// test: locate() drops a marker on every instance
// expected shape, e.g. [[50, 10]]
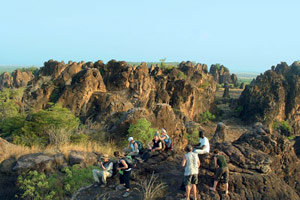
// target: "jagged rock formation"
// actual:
[[117, 94], [274, 95], [16, 80], [222, 75]]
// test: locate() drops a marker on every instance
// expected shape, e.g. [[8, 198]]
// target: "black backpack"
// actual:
[[140, 146]]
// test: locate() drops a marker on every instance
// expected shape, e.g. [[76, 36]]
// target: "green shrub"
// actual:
[[181, 75], [48, 126], [239, 109], [35, 186], [193, 137], [282, 126], [39, 186], [141, 131], [206, 117]]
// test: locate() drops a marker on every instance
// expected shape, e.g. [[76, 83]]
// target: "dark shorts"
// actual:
[[191, 179], [222, 172]]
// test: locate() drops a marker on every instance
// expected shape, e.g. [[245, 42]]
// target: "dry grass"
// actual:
[[11, 150], [17, 151], [153, 188]]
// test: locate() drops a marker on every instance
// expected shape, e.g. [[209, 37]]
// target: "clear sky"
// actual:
[[242, 35]]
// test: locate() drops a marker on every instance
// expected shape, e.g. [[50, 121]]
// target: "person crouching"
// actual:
[[106, 167]]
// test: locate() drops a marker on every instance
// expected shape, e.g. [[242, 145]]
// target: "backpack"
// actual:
[[140, 146], [129, 161], [115, 166]]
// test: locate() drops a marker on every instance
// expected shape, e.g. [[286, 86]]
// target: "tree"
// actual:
[[51, 126], [141, 131]]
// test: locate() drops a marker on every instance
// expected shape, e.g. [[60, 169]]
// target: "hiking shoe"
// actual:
[[126, 194], [96, 184]]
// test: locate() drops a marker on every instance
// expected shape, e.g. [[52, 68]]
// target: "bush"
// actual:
[[35, 186], [152, 189], [141, 131], [39, 186], [11, 115], [181, 75], [283, 127], [206, 117], [193, 137], [52, 126]]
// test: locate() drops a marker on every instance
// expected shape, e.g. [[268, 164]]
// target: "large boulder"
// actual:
[[273, 96]]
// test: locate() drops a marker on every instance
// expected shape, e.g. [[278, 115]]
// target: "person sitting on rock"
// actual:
[[203, 147], [191, 164], [124, 169], [166, 140], [106, 170], [132, 148], [221, 170], [156, 144]]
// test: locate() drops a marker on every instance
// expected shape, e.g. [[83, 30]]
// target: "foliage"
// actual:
[[32, 69], [206, 117], [204, 85], [141, 131], [239, 109], [152, 189], [35, 186], [181, 75], [193, 137], [11, 115], [282, 126], [44, 126], [38, 186]]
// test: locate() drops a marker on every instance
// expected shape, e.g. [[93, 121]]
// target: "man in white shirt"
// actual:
[[203, 147]]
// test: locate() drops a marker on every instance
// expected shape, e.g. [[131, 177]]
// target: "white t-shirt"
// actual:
[[204, 141]]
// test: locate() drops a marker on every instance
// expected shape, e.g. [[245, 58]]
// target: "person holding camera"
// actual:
[[106, 170]]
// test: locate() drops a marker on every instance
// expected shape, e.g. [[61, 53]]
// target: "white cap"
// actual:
[[130, 139], [163, 130]]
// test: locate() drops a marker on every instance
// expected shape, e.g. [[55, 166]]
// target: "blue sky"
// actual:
[[249, 36]]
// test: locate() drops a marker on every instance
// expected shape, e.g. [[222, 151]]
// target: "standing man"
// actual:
[[191, 164], [222, 170], [106, 167], [203, 146]]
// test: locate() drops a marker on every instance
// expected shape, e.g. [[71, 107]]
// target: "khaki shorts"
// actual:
[[191, 179], [222, 172]]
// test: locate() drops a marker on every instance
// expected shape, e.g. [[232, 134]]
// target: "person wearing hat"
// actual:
[[166, 139], [191, 164], [132, 148], [106, 170], [155, 144]]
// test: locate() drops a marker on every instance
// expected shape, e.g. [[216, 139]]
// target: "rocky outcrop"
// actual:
[[16, 80], [110, 94], [222, 75], [274, 95]]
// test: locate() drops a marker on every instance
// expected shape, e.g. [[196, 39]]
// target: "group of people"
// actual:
[[191, 163], [135, 151]]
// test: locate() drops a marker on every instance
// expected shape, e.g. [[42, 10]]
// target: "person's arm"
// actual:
[[110, 166], [101, 166], [216, 165], [159, 147], [183, 162], [125, 166], [135, 147], [198, 162], [150, 144]]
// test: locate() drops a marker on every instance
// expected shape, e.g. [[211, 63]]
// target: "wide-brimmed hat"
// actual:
[[104, 156], [163, 130]]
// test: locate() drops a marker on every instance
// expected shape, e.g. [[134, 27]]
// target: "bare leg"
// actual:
[[188, 190], [194, 191], [215, 186], [226, 188]]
